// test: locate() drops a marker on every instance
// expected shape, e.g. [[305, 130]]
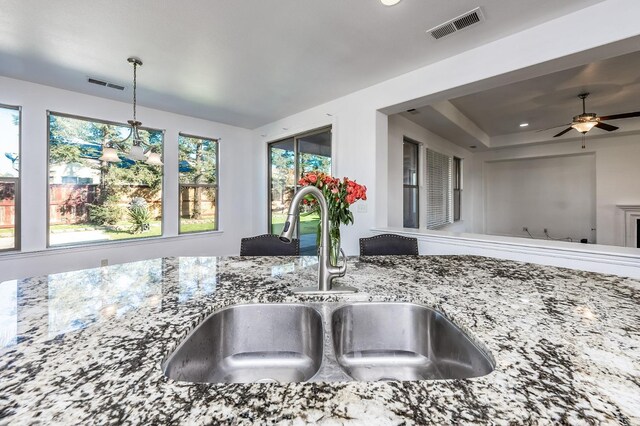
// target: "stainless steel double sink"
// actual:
[[314, 342]]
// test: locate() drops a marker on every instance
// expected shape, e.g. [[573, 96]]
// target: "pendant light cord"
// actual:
[[135, 67]]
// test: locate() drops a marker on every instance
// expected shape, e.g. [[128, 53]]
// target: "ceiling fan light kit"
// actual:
[[588, 120], [583, 126]]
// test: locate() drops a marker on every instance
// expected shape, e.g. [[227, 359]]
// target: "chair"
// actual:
[[388, 244], [268, 245]]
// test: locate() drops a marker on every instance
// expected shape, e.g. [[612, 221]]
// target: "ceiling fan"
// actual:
[[588, 120]]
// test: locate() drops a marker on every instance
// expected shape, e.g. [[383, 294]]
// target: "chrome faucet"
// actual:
[[326, 272]]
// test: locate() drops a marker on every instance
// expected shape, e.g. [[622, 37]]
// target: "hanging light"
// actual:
[[154, 159], [137, 151], [110, 155], [583, 126], [585, 121]]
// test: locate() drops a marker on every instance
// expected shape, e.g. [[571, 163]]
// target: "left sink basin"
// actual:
[[251, 343]]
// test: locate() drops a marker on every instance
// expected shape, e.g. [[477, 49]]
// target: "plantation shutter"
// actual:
[[438, 170]]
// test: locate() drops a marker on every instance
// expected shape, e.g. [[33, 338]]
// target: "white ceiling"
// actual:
[[243, 62], [544, 102]]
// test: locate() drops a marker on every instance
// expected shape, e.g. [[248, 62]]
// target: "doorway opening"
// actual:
[[289, 160]]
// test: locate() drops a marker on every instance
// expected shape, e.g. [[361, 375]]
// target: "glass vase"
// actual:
[[334, 241]]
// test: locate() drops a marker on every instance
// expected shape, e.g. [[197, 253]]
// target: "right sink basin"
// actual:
[[403, 341]]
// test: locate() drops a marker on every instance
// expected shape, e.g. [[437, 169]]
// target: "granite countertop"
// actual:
[[86, 347]]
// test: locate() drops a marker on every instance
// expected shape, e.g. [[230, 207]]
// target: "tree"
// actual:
[[198, 169], [75, 141]]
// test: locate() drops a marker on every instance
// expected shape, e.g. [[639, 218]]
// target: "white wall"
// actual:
[[556, 193], [361, 128], [616, 178], [399, 127], [235, 209]]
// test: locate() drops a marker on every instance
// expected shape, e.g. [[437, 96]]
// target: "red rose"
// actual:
[[312, 178]]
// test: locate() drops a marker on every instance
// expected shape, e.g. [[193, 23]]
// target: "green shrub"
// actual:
[[105, 214], [139, 215]]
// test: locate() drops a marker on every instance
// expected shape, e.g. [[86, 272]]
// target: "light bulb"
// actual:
[[110, 155], [389, 2], [137, 153], [584, 126], [154, 159]]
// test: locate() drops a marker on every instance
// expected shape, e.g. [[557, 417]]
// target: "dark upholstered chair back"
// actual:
[[268, 245], [388, 244]]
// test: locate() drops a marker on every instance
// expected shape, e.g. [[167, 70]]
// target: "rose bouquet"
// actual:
[[340, 194]]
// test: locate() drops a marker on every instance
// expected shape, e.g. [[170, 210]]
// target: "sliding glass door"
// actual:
[[289, 159]]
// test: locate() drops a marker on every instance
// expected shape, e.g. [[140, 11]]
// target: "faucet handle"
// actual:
[[343, 268]]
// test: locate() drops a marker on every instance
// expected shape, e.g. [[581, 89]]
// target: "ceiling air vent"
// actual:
[[456, 24], [115, 86], [443, 30], [105, 83], [98, 82]]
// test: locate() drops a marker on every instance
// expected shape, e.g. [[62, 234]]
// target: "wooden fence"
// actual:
[[68, 204]]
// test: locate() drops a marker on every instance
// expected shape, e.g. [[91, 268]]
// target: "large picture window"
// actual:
[[198, 169], [9, 177], [92, 200]]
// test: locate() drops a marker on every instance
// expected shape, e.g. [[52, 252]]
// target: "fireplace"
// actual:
[[631, 224]]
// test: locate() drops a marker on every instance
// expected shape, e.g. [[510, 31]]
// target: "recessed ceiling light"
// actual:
[[389, 2], [524, 124]]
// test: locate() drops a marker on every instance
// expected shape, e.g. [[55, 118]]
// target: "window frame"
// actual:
[[48, 185], [416, 146], [216, 223], [295, 137], [457, 188], [17, 220]]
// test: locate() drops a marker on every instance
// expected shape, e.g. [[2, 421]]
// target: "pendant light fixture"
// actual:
[[140, 150]]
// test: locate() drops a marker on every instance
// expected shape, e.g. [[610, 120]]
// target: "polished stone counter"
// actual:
[[86, 347]]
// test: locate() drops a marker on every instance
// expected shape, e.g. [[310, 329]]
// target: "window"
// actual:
[[289, 159], [438, 171], [198, 180], [92, 200], [9, 177], [457, 188], [410, 151]]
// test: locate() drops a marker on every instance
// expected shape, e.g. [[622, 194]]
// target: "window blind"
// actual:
[[438, 171]]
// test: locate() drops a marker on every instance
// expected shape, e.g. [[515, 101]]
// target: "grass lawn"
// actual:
[[123, 229], [196, 227], [124, 234], [308, 223], [6, 232]]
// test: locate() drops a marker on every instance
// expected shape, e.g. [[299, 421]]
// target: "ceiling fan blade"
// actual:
[[607, 127], [563, 132], [619, 116], [549, 128]]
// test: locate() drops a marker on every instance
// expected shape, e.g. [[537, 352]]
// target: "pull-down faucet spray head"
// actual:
[[289, 226]]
